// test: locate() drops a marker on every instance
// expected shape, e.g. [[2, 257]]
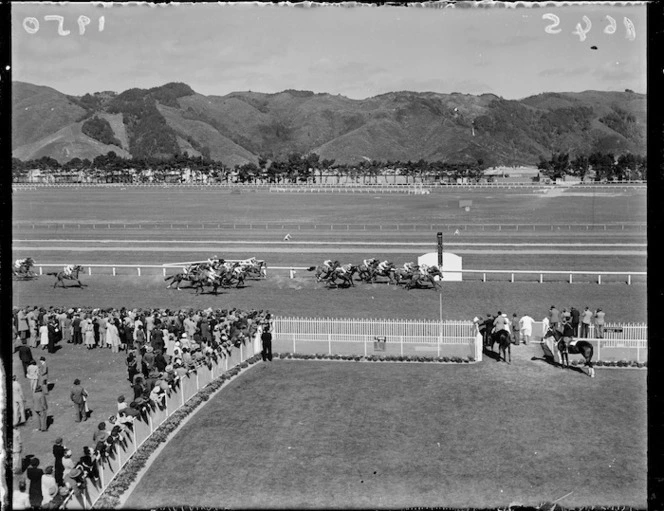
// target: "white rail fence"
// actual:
[[367, 336], [619, 341], [285, 226], [143, 429], [167, 269]]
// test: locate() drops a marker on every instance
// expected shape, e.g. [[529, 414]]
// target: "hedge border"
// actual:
[[373, 358], [131, 473]]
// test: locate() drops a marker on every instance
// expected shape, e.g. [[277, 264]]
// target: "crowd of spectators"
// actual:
[[162, 347], [520, 329]]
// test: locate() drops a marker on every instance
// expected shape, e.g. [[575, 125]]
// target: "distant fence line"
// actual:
[[289, 226], [170, 268], [338, 187]]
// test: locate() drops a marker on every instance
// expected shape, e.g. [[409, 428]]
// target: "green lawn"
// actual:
[[322, 434]]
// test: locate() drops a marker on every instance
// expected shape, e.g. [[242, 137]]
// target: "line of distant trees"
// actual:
[[626, 167], [294, 168]]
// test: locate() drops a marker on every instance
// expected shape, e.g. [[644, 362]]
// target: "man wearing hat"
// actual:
[[185, 341], [74, 480], [78, 396], [554, 317], [43, 374]]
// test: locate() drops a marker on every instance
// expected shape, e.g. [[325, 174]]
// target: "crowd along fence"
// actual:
[[142, 430]]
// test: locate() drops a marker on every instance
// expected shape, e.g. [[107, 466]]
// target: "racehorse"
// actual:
[[387, 272], [583, 348], [365, 272], [61, 276], [177, 279], [257, 270], [344, 273], [502, 337], [418, 279], [322, 272], [24, 270]]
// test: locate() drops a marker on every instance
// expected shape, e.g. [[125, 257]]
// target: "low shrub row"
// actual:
[[612, 363], [110, 498], [373, 358]]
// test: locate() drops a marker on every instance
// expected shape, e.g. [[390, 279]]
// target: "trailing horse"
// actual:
[[22, 270], [419, 279], [502, 337], [583, 348], [61, 276]]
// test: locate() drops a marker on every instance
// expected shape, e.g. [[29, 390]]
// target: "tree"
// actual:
[[580, 166]]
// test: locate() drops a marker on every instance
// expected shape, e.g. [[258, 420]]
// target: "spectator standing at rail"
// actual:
[[599, 323], [266, 338], [19, 402], [89, 333], [33, 327], [554, 317], [586, 319], [576, 316], [77, 338], [66, 328], [78, 396], [22, 324]]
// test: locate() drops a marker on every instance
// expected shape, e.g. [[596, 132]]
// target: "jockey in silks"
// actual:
[[248, 262], [213, 262], [382, 267], [370, 263], [410, 267], [19, 262], [424, 269], [67, 270]]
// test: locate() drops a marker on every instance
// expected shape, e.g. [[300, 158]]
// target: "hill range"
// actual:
[[241, 126]]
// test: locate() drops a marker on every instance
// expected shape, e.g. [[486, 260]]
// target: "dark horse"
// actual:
[[583, 348], [61, 276], [345, 275], [502, 337], [418, 278]]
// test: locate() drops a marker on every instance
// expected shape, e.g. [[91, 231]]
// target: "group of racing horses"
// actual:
[[216, 273], [410, 275]]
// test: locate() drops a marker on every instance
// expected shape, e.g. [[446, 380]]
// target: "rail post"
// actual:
[[570, 278], [114, 271], [599, 278], [139, 271], [512, 280], [629, 279], [365, 345], [40, 270], [89, 270], [401, 341], [541, 278], [329, 344]]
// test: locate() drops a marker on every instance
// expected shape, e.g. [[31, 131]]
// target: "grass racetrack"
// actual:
[[292, 434]]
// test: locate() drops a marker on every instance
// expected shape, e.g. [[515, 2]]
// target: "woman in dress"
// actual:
[[89, 335], [113, 337], [43, 336]]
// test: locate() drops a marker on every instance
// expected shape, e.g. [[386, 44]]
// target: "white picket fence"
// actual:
[[364, 336]]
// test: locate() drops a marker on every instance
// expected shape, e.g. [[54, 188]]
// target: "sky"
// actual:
[[357, 52]]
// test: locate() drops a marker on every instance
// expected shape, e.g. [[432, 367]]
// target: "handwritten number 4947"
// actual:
[[581, 31], [31, 25]]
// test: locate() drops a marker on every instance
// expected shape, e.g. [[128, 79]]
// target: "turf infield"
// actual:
[[292, 434]]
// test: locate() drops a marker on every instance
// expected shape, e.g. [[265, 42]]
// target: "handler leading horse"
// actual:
[[583, 348]]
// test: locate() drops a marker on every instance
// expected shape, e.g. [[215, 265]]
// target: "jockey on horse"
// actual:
[[18, 264], [67, 270]]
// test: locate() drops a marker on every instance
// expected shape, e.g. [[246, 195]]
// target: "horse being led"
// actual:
[[583, 348], [502, 337], [70, 272]]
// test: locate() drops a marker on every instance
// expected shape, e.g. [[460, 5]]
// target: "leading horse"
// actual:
[[502, 337], [583, 348], [61, 276]]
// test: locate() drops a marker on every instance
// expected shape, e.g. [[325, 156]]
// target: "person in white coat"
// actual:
[[526, 328]]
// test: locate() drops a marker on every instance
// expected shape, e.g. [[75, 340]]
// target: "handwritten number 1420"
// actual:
[[582, 30], [31, 25]]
